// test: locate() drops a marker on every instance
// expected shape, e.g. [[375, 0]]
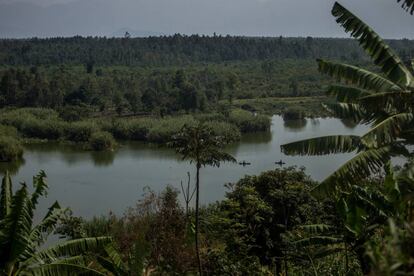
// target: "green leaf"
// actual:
[[408, 5], [387, 131], [380, 52], [352, 111], [323, 145], [356, 169], [357, 76], [5, 196], [346, 94]]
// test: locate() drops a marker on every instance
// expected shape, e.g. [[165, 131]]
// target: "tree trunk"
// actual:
[[363, 261], [197, 218]]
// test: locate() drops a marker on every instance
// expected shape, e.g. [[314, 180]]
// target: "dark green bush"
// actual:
[[293, 114], [10, 149], [43, 129], [80, 131], [8, 131], [249, 122], [102, 140], [227, 130]]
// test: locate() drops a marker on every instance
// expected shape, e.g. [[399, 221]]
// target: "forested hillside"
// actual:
[[178, 50]]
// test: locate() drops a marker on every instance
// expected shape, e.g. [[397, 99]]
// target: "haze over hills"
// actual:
[[51, 18]]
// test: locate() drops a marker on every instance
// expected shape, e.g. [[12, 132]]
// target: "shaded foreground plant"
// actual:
[[21, 251], [200, 146]]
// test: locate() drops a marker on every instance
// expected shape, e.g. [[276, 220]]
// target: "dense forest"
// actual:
[[179, 50]]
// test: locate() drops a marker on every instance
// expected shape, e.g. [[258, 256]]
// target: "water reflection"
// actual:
[[295, 125], [11, 167], [103, 158]]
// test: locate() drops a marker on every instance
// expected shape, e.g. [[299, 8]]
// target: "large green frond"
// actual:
[[5, 196], [47, 225], [387, 101], [40, 185], [352, 111], [408, 5], [380, 52], [16, 227], [387, 131], [323, 145], [359, 77], [62, 269], [346, 94], [358, 168], [70, 248]]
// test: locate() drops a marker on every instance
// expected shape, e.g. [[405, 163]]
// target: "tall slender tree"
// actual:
[[201, 146]]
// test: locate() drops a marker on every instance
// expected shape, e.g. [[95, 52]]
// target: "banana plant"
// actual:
[[382, 100], [408, 5], [21, 251]]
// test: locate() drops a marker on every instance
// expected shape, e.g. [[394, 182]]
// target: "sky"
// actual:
[[51, 18]]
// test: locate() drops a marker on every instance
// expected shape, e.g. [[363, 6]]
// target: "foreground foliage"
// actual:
[[21, 242]]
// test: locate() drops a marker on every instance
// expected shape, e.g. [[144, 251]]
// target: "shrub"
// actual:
[[227, 130], [134, 129], [167, 128], [10, 149], [249, 122], [80, 131], [43, 129], [8, 131], [102, 140], [293, 114]]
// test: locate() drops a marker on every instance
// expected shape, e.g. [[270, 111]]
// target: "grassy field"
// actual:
[[309, 106]]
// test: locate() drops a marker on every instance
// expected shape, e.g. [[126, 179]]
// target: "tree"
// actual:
[[260, 210], [21, 251], [385, 101], [201, 146], [381, 100]]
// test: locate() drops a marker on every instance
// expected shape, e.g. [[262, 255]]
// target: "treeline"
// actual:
[[132, 90], [178, 50]]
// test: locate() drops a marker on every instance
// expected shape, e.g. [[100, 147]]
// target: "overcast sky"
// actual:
[[45, 18]]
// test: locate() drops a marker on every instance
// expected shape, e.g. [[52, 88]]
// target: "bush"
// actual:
[[80, 131], [249, 122], [165, 129], [10, 149], [293, 114], [230, 132], [43, 129], [134, 129], [8, 131], [102, 140]]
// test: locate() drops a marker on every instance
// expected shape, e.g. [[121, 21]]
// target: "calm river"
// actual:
[[96, 183]]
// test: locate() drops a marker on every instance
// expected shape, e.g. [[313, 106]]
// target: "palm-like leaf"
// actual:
[[347, 94], [387, 131], [323, 145], [357, 76], [352, 111], [408, 5], [380, 52], [5, 196], [356, 169]]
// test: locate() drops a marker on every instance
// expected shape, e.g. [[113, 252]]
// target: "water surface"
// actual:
[[94, 183]]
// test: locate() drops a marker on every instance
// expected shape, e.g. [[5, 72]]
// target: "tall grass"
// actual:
[[10, 149]]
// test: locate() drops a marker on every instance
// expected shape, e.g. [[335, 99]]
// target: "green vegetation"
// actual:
[[35, 123], [10, 149], [21, 251], [378, 218], [102, 141], [199, 145]]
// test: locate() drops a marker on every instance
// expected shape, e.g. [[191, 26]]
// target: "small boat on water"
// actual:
[[280, 163], [244, 163]]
